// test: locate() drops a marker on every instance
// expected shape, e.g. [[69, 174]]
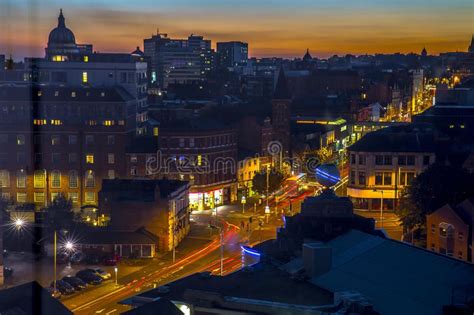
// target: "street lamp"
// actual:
[[243, 201], [116, 272], [19, 223], [381, 207]]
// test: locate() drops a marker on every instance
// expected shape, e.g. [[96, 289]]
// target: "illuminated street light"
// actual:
[[69, 246], [19, 223], [116, 272]]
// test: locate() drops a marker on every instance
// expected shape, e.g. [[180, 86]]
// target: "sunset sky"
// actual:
[[271, 27]]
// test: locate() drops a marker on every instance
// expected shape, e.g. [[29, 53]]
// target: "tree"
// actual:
[[59, 214], [436, 186], [259, 181]]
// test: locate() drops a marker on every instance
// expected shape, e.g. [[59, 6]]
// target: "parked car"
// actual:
[[101, 273], [75, 282], [89, 277], [63, 287]]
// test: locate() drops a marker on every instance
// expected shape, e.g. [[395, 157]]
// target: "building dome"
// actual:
[[61, 35]]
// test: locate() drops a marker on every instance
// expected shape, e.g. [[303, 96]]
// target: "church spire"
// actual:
[[61, 20], [281, 88]]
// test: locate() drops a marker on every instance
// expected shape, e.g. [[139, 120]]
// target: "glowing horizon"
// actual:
[[272, 28]]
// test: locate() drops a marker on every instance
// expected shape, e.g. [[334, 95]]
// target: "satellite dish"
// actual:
[[327, 175]]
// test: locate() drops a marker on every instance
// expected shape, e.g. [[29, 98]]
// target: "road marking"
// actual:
[[112, 311], [98, 312]]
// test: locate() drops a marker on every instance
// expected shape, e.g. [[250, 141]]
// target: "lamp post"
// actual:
[[243, 201], [116, 272], [381, 207]]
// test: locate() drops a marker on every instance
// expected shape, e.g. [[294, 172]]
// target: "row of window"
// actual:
[[55, 178], [40, 197], [56, 158], [199, 142], [56, 139], [409, 160], [381, 178], [446, 230], [447, 252]]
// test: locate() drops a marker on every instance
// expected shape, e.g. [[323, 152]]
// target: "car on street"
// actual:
[[101, 273], [63, 287], [75, 282], [89, 277]]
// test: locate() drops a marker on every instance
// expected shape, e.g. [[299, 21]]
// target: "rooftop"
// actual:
[[398, 278], [141, 189], [396, 139]]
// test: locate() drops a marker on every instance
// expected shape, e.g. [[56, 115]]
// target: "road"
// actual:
[[205, 256]]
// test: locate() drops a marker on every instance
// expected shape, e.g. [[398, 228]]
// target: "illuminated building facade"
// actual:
[[160, 206], [199, 151], [384, 162], [60, 140], [232, 54], [449, 230]]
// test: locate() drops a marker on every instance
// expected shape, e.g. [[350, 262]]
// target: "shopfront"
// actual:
[[206, 200]]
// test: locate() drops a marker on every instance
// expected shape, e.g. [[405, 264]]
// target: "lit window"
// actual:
[[89, 197], [21, 179], [74, 197], [20, 139], [39, 197], [56, 122], [86, 58], [111, 158], [73, 179], [90, 179], [156, 131], [4, 178], [40, 93], [56, 93], [111, 174], [21, 197], [55, 179], [54, 195], [108, 123], [199, 160], [55, 140], [90, 158], [133, 159], [84, 77], [73, 94], [40, 179]]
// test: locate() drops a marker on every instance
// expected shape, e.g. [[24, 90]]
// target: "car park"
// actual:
[[101, 273], [63, 287], [89, 277]]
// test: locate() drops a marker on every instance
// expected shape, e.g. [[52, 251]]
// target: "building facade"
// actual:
[[232, 54], [201, 152], [60, 140], [384, 162], [450, 230], [159, 206]]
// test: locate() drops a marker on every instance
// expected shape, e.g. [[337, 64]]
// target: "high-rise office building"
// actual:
[[176, 61], [232, 54]]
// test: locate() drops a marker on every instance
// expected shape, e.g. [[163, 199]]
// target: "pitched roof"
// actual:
[[141, 189], [106, 236], [281, 88], [30, 298], [397, 277]]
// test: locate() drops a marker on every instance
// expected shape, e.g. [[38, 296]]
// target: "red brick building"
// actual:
[[201, 151], [450, 230], [60, 140]]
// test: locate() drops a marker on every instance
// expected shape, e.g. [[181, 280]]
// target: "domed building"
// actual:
[[62, 42]]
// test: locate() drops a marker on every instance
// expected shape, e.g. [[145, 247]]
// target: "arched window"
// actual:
[[21, 179], [73, 179], [40, 179], [55, 179], [4, 178], [90, 179]]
